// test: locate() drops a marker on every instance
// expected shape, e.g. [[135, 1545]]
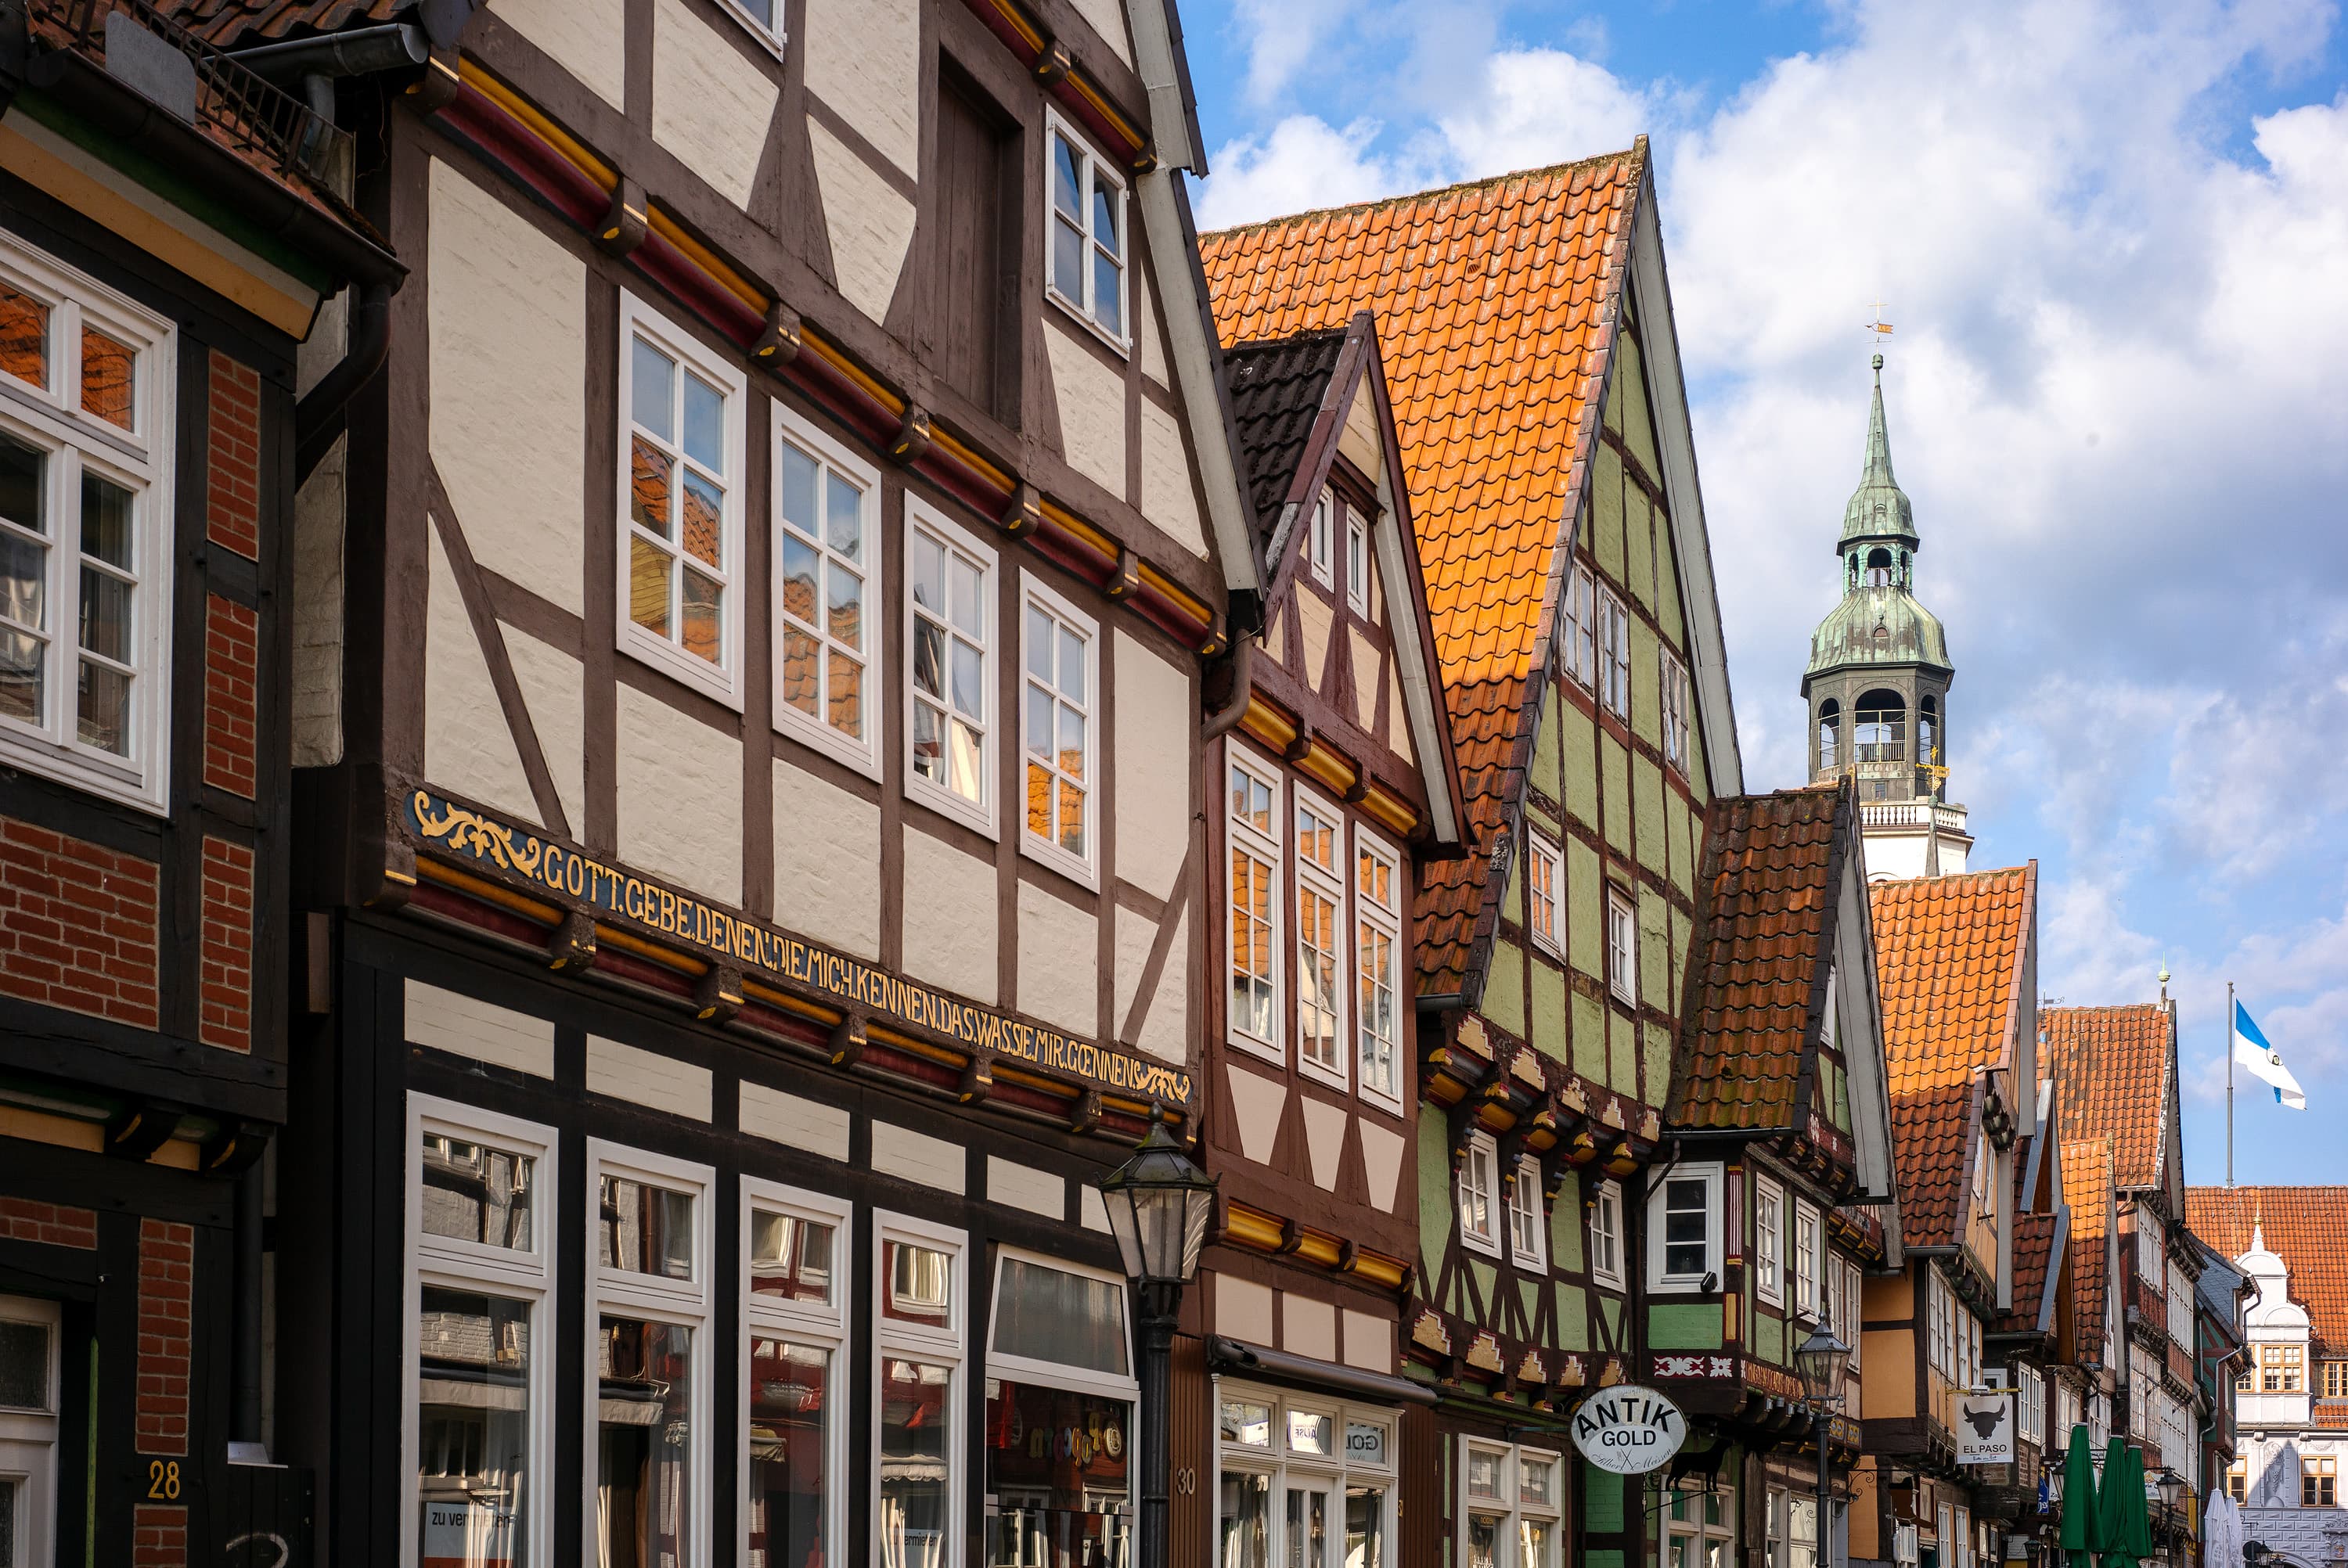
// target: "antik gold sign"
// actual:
[[463, 833]]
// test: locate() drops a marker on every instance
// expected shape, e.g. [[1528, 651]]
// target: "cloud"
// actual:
[[1283, 38]]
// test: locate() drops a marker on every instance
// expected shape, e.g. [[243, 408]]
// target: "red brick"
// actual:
[[227, 948], [233, 505], [231, 660], [83, 934], [165, 1287], [159, 1535], [22, 1219]]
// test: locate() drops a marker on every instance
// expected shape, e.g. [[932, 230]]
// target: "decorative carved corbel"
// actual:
[[848, 1042], [570, 950], [719, 995], [624, 228], [778, 343]]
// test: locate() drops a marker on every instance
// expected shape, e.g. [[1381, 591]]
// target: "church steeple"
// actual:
[[1879, 678]]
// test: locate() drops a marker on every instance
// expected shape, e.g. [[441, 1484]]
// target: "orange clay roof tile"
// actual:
[[2113, 1064], [2307, 1227], [2087, 1193], [1493, 304], [1949, 954], [2033, 1263]]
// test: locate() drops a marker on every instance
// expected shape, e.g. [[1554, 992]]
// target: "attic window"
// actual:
[[1320, 545], [1357, 562]]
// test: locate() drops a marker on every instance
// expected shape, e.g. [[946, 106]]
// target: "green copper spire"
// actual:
[[1878, 509]]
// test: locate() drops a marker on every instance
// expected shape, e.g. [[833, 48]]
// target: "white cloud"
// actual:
[[1299, 164], [1283, 38]]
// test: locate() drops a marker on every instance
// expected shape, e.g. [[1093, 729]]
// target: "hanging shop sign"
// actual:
[[761, 952], [1985, 1426], [1628, 1429]]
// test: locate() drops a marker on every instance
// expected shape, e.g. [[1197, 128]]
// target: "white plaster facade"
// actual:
[[2284, 1454]]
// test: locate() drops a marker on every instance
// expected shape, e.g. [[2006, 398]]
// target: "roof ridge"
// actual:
[[1636, 152]]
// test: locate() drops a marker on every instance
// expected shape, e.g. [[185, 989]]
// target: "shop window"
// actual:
[[29, 1357], [480, 1370], [1699, 1528], [1613, 654], [1769, 1242], [1621, 948], [1805, 1259], [1793, 1524], [1253, 818], [1675, 712], [1684, 1216], [1061, 663], [1301, 1482], [1606, 1236], [1580, 654], [1526, 1224], [86, 426], [1357, 562], [2317, 1480], [681, 528], [916, 1459], [1319, 541], [1377, 957], [1060, 1402], [1510, 1505], [827, 571], [1088, 242], [950, 641], [1320, 950], [1479, 1225], [650, 1360], [1545, 893], [793, 1459]]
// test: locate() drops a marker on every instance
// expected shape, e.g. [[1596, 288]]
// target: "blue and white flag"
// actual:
[[2263, 1061]]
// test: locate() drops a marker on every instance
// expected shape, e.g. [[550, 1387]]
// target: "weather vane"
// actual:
[[1878, 328]]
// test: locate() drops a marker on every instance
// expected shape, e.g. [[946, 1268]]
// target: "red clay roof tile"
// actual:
[[2112, 1064], [2307, 1227]]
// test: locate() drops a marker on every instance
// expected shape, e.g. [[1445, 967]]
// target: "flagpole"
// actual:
[[2230, 1083]]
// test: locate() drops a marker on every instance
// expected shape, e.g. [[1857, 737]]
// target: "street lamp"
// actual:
[[2171, 1486], [1158, 1204], [1819, 1360]]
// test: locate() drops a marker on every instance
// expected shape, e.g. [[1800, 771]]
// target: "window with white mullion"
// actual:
[[1377, 950], [1674, 684], [681, 533], [1545, 893], [1527, 1242], [1320, 939], [1254, 815], [949, 662], [1606, 1236], [1769, 1242], [1805, 1259], [918, 1327], [1580, 653], [1059, 662], [826, 568], [796, 1356], [1622, 947], [1478, 1197], [1613, 654], [1089, 240]]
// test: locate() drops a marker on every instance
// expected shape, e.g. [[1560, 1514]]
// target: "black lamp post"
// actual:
[[2172, 1488], [1819, 1361], [1158, 1204]]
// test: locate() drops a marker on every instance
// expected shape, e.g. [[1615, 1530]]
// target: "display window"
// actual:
[[1060, 1402], [1302, 1482]]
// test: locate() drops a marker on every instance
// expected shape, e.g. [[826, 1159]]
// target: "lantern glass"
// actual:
[[1819, 1362], [1158, 1204]]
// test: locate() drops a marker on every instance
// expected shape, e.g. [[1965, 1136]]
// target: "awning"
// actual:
[[1230, 1356]]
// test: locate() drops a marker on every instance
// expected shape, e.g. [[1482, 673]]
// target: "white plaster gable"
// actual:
[[1324, 1140], [1256, 1104], [585, 37], [1091, 398], [711, 103], [862, 61], [1108, 18], [869, 223], [467, 746]]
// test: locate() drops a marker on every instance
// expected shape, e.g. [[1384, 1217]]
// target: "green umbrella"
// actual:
[[2119, 1507], [2139, 1542], [2083, 1530]]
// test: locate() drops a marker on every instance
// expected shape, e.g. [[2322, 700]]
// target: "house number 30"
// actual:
[[163, 1478]]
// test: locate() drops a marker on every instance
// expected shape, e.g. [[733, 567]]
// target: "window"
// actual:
[[2335, 1379], [1940, 1325], [1675, 712], [681, 535], [1580, 654], [796, 1359], [1793, 1529], [1302, 1482], [1699, 1528], [1829, 723], [764, 17], [649, 1358], [1377, 950], [1621, 948], [916, 1457], [1606, 1236], [1613, 654], [2031, 1404], [2237, 1481], [29, 1358], [1545, 893], [1253, 818], [1320, 543], [1511, 1498], [1806, 1260], [1478, 1172], [1320, 940], [1060, 666], [2317, 1478], [1087, 235], [1684, 1216], [1769, 1242], [826, 556], [1058, 1367], [479, 1366], [1526, 1242], [1357, 562], [949, 664], [2282, 1369], [86, 423], [1854, 1329]]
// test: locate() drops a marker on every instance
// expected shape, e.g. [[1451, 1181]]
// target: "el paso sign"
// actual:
[[1628, 1429]]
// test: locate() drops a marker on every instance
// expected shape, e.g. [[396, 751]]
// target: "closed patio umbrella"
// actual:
[[2119, 1507], [2083, 1529], [2222, 1541]]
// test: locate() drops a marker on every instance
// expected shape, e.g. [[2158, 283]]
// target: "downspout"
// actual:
[[317, 416], [1225, 719]]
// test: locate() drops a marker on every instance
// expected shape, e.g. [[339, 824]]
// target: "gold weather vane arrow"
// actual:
[[1878, 326]]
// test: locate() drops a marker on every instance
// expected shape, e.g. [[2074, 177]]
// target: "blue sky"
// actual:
[[2113, 239]]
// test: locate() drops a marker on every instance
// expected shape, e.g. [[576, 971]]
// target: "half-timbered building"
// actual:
[[752, 789], [1550, 470], [172, 232]]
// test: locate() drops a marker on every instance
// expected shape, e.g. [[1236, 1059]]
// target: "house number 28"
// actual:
[[163, 1478]]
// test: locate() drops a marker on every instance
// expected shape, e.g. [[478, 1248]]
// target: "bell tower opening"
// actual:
[[1829, 732], [1878, 568]]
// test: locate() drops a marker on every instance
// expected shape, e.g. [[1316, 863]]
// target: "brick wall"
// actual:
[[159, 1536], [232, 669], [167, 1272], [77, 924], [21, 1219], [233, 517], [226, 984]]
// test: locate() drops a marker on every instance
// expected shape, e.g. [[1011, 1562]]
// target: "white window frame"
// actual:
[[826, 1327], [1676, 729], [1085, 869], [771, 36], [1319, 540], [1622, 947], [140, 459], [1855, 1295], [813, 731], [1270, 851], [723, 680], [1096, 172], [916, 1342], [1386, 920], [446, 1262], [1809, 1244], [1486, 1240], [1582, 628], [1511, 1509], [1659, 1184], [1526, 1217], [1607, 1207], [1323, 884], [1613, 654], [983, 813], [1698, 1529], [684, 1303], [1357, 562], [28, 1439], [1060, 1374], [1545, 863], [1278, 1464], [1769, 1241]]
